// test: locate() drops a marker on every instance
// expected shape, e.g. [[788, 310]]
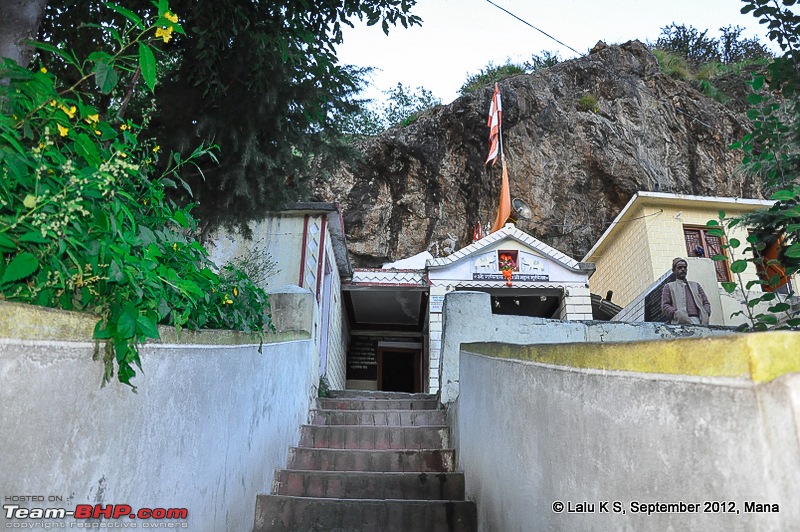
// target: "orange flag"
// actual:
[[504, 210]]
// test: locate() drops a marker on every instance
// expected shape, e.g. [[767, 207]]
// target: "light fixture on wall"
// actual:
[[523, 211]]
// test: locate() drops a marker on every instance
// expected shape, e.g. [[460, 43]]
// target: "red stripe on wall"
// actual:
[[303, 251], [321, 259]]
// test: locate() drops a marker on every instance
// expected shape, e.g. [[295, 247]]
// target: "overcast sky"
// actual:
[[458, 37]]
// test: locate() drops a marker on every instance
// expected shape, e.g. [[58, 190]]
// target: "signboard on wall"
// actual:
[[362, 356]]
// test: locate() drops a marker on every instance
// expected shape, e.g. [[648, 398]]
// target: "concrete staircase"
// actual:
[[370, 461]]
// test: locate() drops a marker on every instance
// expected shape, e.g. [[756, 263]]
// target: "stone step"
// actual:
[[371, 437], [370, 394], [329, 403], [420, 460], [392, 418], [369, 485], [278, 513]]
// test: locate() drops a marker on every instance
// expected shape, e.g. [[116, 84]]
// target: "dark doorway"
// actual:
[[399, 370]]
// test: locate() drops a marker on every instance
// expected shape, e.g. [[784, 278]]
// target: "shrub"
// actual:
[[672, 65], [85, 222], [489, 75], [588, 103]]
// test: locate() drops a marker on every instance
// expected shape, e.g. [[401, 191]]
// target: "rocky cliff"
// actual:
[[424, 186]]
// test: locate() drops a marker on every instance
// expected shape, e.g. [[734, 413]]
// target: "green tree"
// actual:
[[401, 107], [689, 42], [772, 152], [85, 223], [403, 104], [733, 48], [698, 48], [258, 78]]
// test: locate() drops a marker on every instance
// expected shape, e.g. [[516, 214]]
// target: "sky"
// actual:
[[460, 37]]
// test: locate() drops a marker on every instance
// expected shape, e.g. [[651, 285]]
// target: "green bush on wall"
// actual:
[[85, 222]]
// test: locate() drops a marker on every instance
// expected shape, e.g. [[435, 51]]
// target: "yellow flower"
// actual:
[[97, 132], [62, 130], [235, 291], [171, 17], [123, 127], [164, 33], [175, 246], [123, 155], [29, 201], [43, 70], [156, 149], [52, 103], [69, 111], [93, 119]]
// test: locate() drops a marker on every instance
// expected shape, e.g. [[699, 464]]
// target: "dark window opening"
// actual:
[[700, 244]]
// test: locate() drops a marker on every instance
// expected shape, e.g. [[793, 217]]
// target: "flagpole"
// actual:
[[504, 207], [500, 139]]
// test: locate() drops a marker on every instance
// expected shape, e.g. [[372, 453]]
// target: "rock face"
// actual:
[[423, 187]]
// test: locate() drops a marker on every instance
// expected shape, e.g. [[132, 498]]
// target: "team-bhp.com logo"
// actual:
[[97, 511]]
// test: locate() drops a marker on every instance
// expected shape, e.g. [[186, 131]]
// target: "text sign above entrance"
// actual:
[[519, 277]]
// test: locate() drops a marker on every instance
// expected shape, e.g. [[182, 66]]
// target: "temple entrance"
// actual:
[[399, 370], [387, 337]]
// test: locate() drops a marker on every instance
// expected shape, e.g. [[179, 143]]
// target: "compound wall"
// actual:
[[546, 434], [212, 419]]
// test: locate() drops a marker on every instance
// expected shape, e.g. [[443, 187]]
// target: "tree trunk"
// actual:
[[19, 22]]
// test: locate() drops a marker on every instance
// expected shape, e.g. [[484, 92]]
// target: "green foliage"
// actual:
[[772, 152], [542, 60], [688, 54], [85, 221], [491, 73], [671, 64], [401, 108], [259, 79], [588, 103], [689, 43], [697, 48], [707, 88]]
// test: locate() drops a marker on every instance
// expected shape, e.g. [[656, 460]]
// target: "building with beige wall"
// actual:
[[637, 249]]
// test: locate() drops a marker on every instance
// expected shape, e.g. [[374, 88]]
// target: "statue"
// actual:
[[684, 302]]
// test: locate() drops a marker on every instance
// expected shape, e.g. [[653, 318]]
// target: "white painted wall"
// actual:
[[528, 435], [206, 430], [281, 236], [336, 322], [468, 318]]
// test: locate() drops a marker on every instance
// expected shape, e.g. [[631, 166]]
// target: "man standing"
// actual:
[[684, 301]]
